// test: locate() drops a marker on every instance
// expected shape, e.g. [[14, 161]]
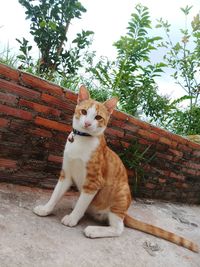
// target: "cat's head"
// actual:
[[92, 116]]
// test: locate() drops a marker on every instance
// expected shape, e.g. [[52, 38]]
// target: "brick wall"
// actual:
[[35, 119]]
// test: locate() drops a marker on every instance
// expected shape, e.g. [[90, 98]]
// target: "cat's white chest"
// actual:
[[76, 156]]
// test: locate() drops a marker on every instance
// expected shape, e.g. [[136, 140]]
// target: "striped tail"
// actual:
[[156, 231]]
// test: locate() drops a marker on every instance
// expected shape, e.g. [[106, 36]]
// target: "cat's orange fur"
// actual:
[[107, 174], [104, 186]]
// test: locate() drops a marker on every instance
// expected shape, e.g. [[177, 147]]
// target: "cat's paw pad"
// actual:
[[69, 220], [91, 232], [41, 211]]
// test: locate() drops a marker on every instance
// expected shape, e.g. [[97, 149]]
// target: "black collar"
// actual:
[[76, 132]]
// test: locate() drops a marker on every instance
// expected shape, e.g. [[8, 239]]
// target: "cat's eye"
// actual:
[[98, 117], [84, 112]]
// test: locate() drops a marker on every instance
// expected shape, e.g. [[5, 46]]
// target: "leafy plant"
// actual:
[[131, 76], [25, 57], [135, 157], [50, 21], [184, 59], [7, 57]]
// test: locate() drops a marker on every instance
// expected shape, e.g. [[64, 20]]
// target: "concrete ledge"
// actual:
[[28, 240]]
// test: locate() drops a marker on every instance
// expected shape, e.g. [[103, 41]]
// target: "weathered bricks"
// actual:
[[25, 115], [18, 89], [52, 124], [148, 135], [36, 118], [41, 84], [39, 108], [71, 96], [9, 73], [8, 163], [114, 132], [8, 98], [4, 122], [54, 158], [61, 104], [40, 132]]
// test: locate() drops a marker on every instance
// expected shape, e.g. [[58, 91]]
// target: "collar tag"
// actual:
[[71, 138]]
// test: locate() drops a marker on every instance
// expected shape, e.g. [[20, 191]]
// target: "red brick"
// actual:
[[58, 102], [180, 139], [115, 142], [129, 137], [184, 148], [52, 124], [193, 145], [18, 90], [176, 153], [150, 185], [193, 165], [117, 123], [55, 158], [164, 140], [196, 153], [164, 156], [16, 112], [162, 180], [166, 134], [39, 108], [114, 132], [159, 131], [130, 127], [168, 142], [125, 144], [7, 98], [8, 163], [71, 96], [9, 72], [177, 176], [39, 83], [130, 173], [163, 172], [144, 142], [148, 135], [181, 185], [40, 132], [4, 122], [147, 167], [197, 173], [120, 115], [189, 171], [139, 123]]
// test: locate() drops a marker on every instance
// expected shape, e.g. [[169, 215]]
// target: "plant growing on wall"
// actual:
[[135, 157], [50, 21], [183, 57]]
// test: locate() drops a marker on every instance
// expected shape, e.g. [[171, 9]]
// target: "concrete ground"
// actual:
[[27, 240]]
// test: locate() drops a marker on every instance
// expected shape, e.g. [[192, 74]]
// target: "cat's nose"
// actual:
[[87, 124]]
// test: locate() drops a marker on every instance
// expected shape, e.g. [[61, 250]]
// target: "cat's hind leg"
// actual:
[[115, 228], [63, 184]]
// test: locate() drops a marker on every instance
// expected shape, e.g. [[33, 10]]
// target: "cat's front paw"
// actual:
[[91, 232], [69, 220], [41, 210]]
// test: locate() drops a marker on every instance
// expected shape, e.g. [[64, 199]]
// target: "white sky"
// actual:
[[107, 18]]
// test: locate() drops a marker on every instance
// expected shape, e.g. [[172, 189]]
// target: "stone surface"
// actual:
[[29, 240]]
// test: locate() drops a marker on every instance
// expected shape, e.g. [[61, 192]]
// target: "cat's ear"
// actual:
[[83, 94], [111, 104]]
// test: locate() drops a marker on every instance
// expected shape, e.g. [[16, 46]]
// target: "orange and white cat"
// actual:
[[99, 175]]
